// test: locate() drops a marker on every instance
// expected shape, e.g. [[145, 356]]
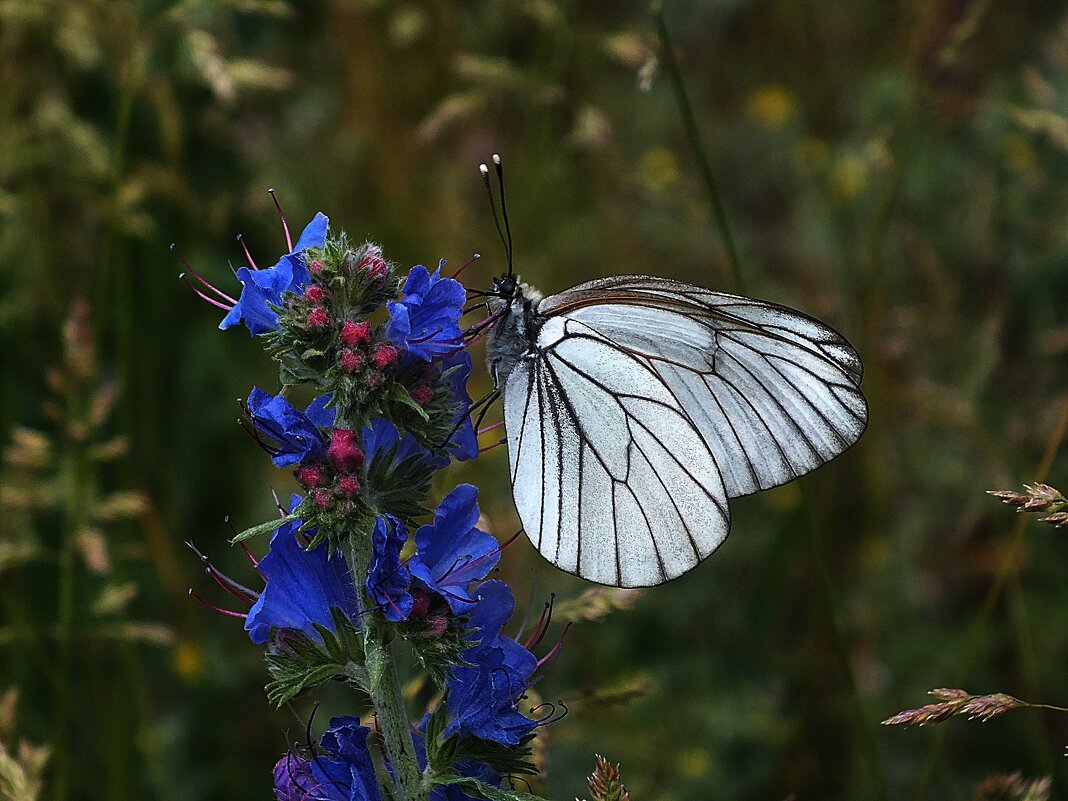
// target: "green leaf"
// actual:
[[480, 789], [263, 528], [401, 395], [297, 662]]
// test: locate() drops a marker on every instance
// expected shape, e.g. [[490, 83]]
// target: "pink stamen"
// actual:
[[471, 261], [217, 304], [556, 648], [251, 262], [282, 217], [219, 609], [488, 429], [489, 448], [191, 270], [488, 322], [248, 553]]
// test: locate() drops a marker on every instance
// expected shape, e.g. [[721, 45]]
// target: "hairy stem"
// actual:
[[385, 688]]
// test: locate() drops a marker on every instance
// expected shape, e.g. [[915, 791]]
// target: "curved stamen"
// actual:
[[467, 264], [251, 261], [219, 609], [282, 217]]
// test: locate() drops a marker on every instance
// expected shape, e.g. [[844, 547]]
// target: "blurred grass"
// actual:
[[897, 169]]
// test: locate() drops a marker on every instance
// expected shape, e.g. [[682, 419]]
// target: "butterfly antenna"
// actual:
[[499, 168], [484, 170]]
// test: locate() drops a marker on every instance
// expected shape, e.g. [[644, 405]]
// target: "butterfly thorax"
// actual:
[[517, 329]]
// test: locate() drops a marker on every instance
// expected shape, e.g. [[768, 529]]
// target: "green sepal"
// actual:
[[297, 662], [263, 528], [400, 488], [479, 789], [515, 760], [439, 656], [403, 397]]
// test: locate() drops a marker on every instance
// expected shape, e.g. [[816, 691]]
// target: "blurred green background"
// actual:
[[897, 169]]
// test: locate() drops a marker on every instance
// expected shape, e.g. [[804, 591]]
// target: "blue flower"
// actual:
[[452, 552], [463, 444], [481, 698], [318, 412], [427, 321], [302, 586], [260, 289], [295, 437], [381, 438], [293, 778], [345, 771], [388, 580]]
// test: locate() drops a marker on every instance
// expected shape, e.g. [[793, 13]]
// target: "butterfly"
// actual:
[[635, 407]]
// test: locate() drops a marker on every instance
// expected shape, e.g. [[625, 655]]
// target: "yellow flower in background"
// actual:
[[658, 169], [188, 660], [849, 176], [695, 762], [771, 106]]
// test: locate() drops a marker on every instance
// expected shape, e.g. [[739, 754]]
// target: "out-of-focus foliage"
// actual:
[[898, 169], [20, 767]]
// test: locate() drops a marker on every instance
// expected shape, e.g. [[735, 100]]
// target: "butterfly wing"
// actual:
[[773, 392], [612, 480]]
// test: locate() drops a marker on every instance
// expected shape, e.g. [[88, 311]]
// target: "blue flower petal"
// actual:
[[260, 289], [345, 771], [302, 586], [452, 553], [426, 322], [388, 580], [295, 436]]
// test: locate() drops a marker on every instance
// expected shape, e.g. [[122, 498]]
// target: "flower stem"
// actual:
[[385, 689], [719, 214]]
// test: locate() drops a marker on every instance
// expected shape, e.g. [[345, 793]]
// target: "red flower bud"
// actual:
[[316, 294], [422, 395], [385, 356], [348, 486], [344, 453], [322, 499], [351, 361], [318, 318], [311, 475], [316, 266], [353, 334]]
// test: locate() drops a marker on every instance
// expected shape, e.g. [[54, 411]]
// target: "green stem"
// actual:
[[719, 214], [75, 482], [384, 687]]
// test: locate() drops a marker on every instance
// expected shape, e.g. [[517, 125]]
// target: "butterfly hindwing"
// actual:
[[773, 392], [612, 479]]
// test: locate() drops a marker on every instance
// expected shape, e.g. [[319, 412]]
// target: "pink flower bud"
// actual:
[[348, 486], [344, 453], [385, 356], [316, 294], [322, 499], [422, 395], [351, 361], [310, 476], [353, 334], [318, 318]]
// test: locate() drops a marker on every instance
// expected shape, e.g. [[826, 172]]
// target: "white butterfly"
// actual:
[[634, 407]]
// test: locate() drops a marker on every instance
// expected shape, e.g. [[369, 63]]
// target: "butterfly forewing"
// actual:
[[612, 478], [773, 393]]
